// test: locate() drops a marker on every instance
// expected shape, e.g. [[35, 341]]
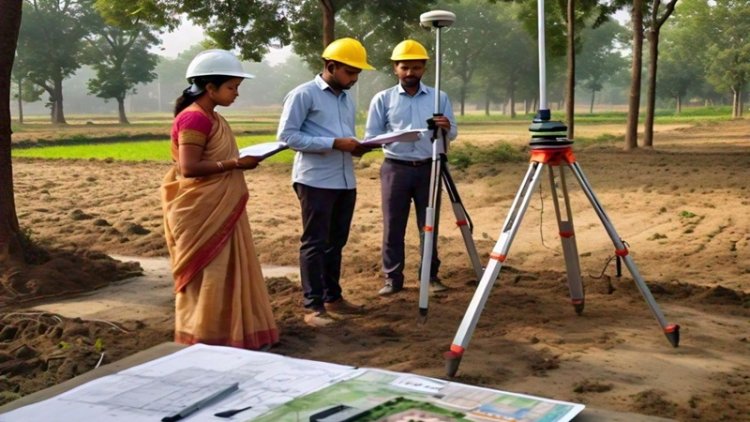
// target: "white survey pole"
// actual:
[[542, 62]]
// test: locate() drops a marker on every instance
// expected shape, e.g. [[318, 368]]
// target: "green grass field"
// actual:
[[144, 139], [148, 150]]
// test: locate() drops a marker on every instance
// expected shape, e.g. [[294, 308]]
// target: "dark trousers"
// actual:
[[400, 185], [326, 218]]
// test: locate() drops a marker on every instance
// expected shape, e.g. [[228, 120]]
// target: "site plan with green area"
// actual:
[[374, 395]]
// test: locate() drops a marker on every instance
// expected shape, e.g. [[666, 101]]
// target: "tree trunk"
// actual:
[[653, 55], [570, 89], [487, 103], [329, 21], [736, 102], [678, 104], [20, 102], [512, 102], [10, 245], [58, 116], [121, 111], [631, 135], [591, 104]]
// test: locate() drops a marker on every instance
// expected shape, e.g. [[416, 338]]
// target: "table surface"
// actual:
[[588, 415]]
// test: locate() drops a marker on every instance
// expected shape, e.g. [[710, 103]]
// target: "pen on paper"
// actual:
[[200, 404], [232, 412]]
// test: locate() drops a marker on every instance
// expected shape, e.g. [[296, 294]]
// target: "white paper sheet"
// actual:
[[158, 388], [408, 135], [264, 150]]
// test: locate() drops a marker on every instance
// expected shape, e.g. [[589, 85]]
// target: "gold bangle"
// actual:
[[220, 165]]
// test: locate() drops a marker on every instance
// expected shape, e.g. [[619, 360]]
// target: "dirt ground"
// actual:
[[683, 209]]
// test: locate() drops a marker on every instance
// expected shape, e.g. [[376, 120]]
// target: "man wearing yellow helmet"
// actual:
[[406, 172], [318, 123]]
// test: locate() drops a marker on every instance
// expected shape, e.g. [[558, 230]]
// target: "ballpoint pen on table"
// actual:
[[200, 404]]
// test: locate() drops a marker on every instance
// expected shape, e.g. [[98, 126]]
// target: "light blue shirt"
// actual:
[[312, 118], [394, 109]]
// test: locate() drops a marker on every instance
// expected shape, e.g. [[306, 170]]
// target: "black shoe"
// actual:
[[390, 288]]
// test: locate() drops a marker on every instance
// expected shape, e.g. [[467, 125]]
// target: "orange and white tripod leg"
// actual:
[[567, 237], [429, 229], [671, 331], [463, 221], [497, 258]]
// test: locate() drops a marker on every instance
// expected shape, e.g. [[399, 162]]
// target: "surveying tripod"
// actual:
[[440, 173], [549, 150], [440, 19]]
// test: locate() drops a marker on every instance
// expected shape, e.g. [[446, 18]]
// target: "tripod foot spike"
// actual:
[[453, 360], [672, 331], [422, 315], [578, 306]]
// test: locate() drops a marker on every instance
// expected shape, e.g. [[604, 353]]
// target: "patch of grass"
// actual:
[[687, 214], [605, 138], [467, 154], [148, 150]]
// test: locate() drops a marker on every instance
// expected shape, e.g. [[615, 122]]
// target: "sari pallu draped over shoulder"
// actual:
[[221, 296]]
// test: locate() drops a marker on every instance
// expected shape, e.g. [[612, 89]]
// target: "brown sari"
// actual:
[[221, 296]]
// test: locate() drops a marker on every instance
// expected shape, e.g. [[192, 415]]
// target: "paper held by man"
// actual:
[[407, 135], [267, 149]]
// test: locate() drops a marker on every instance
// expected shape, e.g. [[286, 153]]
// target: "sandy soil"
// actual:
[[682, 208]]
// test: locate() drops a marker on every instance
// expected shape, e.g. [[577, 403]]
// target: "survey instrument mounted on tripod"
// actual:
[[549, 148], [439, 19]]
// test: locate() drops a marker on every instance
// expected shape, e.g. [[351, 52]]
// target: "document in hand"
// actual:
[[264, 150], [408, 135]]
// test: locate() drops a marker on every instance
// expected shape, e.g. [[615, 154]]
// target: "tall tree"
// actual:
[[121, 59], [599, 59], [681, 65], [52, 34], [634, 99], [728, 68], [654, 24], [474, 40], [25, 90], [10, 244]]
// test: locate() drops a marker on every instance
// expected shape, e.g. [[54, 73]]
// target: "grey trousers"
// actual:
[[401, 184]]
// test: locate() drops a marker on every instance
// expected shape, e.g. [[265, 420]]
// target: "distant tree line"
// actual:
[[489, 55]]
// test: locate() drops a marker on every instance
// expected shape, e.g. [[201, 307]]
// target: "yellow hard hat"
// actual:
[[348, 51], [409, 50]]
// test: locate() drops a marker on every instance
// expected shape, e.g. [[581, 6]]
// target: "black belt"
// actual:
[[410, 163]]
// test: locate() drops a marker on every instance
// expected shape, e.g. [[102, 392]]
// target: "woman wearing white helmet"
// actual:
[[221, 297]]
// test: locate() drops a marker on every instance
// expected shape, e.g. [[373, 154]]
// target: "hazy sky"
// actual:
[[187, 35]]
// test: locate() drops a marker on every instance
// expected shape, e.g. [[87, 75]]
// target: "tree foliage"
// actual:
[[378, 24], [121, 59], [50, 45], [599, 59]]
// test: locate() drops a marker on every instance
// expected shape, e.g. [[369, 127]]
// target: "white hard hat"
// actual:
[[216, 62]]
